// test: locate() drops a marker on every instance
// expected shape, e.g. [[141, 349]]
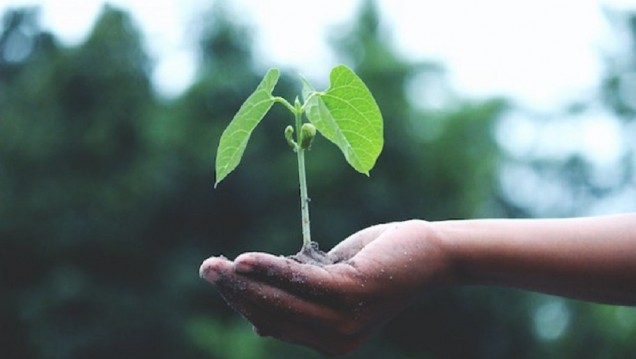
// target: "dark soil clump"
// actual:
[[311, 254]]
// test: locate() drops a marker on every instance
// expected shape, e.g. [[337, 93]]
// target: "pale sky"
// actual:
[[540, 53]]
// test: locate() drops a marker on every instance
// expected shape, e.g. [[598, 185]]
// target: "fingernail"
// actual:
[[244, 263], [207, 272], [243, 267]]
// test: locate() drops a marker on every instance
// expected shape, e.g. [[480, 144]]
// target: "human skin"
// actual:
[[382, 269]]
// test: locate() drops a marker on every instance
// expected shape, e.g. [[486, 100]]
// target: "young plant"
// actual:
[[346, 114]]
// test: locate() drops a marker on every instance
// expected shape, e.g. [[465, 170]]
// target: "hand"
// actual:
[[377, 273]]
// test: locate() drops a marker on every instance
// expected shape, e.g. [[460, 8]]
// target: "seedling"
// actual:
[[346, 114]]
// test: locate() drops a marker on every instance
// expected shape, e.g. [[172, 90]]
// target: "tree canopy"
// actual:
[[107, 206]]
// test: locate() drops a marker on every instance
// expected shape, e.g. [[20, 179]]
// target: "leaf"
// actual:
[[347, 115], [235, 137]]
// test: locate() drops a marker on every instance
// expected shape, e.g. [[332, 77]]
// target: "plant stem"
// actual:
[[302, 178]]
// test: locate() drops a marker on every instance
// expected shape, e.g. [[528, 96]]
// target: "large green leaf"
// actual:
[[235, 137], [347, 115]]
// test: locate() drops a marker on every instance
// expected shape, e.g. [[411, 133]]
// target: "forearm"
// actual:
[[586, 258]]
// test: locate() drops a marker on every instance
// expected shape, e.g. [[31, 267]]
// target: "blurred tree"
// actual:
[[619, 94], [593, 169], [107, 207], [619, 85], [75, 193]]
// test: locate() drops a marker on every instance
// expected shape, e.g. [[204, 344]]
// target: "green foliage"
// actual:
[[226, 340], [235, 137], [347, 115]]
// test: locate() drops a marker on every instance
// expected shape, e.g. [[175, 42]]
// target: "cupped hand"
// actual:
[[377, 272]]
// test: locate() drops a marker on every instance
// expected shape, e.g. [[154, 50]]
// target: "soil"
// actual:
[[311, 254]]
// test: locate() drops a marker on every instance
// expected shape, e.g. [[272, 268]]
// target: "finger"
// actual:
[[283, 316], [213, 268], [305, 280], [265, 298], [349, 247], [280, 314], [275, 312]]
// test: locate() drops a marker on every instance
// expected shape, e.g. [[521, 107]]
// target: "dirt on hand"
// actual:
[[311, 254]]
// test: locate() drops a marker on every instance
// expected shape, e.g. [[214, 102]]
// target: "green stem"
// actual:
[[285, 103], [302, 178]]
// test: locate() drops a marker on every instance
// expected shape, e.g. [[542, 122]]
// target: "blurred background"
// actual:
[[108, 137]]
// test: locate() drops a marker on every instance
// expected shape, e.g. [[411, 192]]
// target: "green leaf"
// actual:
[[235, 137], [347, 115]]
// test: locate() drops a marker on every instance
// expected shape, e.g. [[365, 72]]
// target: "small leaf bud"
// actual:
[[289, 136], [307, 134]]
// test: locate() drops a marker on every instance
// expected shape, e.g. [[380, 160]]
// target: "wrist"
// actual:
[[440, 254], [447, 235]]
